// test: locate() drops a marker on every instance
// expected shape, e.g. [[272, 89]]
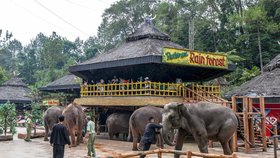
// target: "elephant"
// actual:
[[50, 118], [75, 120], [118, 123], [139, 119], [204, 120]]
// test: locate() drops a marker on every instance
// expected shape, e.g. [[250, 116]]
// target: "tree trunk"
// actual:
[[191, 33], [260, 50], [5, 125]]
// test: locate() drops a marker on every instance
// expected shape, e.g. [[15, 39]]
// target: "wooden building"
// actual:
[[149, 53]]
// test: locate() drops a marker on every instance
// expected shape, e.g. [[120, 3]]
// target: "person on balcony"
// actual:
[[115, 80], [147, 83]]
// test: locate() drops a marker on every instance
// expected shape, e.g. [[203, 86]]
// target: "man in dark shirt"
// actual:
[[59, 137], [149, 135]]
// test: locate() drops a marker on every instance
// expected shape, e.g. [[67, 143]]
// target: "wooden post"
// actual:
[[234, 138], [251, 123], [189, 154], [263, 125], [159, 154], [246, 124], [275, 134]]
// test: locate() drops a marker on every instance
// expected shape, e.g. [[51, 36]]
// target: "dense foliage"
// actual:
[[8, 117], [247, 29]]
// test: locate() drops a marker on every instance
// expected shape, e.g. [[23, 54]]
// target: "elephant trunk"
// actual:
[[166, 131]]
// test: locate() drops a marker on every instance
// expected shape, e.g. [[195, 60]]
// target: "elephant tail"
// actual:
[[129, 134], [240, 132]]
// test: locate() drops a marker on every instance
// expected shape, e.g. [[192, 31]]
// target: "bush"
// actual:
[[8, 117]]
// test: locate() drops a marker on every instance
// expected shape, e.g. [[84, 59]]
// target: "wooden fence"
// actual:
[[160, 152]]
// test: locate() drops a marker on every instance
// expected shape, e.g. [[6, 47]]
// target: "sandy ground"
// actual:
[[38, 148]]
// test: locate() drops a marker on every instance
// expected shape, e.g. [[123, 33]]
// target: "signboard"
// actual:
[[51, 102], [194, 58]]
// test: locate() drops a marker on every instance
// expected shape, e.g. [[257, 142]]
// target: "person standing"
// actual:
[[59, 137], [149, 135], [91, 137], [28, 128]]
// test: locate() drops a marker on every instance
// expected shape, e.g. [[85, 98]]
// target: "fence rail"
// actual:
[[193, 91], [189, 154]]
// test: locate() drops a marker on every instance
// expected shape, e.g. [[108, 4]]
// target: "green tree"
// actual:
[[36, 115], [4, 75], [8, 117]]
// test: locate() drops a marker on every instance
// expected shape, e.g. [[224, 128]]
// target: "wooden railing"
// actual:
[[193, 92], [160, 152], [134, 89]]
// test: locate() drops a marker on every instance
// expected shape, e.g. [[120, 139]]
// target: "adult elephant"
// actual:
[[75, 122], [50, 118], [139, 119], [204, 120], [117, 123]]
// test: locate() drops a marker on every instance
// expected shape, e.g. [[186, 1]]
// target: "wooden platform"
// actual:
[[126, 101]]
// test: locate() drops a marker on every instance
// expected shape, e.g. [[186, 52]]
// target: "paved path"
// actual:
[[18, 148]]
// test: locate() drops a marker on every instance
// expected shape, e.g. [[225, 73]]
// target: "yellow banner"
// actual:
[[194, 58], [51, 102]]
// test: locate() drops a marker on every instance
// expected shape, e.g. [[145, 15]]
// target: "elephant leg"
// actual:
[[73, 140], [202, 141], [135, 141], [79, 136], [111, 135], [225, 137], [46, 133], [180, 141], [226, 148]]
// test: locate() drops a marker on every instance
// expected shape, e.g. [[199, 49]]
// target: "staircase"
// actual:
[[254, 124], [196, 93]]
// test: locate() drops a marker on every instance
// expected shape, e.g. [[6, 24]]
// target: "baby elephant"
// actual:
[[204, 120], [117, 123]]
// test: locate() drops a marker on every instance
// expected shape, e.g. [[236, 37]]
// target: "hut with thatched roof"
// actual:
[[142, 55], [267, 85], [15, 91], [66, 84]]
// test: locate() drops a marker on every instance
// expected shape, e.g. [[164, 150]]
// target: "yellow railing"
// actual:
[[196, 92], [193, 92], [134, 89]]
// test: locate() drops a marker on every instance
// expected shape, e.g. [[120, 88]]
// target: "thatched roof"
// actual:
[[141, 55], [66, 83], [15, 91], [147, 41], [148, 31], [267, 84]]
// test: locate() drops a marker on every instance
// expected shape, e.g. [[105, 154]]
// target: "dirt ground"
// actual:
[[18, 148]]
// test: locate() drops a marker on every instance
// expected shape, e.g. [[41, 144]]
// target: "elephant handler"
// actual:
[[59, 137], [28, 128], [149, 135], [91, 137]]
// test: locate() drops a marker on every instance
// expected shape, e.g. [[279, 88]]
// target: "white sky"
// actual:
[[26, 18]]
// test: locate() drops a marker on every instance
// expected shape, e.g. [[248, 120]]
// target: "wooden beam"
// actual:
[[126, 101], [263, 124], [234, 138], [251, 122], [188, 153], [246, 124]]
